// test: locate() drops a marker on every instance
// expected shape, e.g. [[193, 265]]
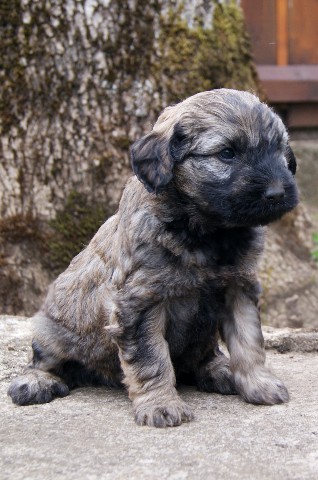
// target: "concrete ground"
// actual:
[[91, 434]]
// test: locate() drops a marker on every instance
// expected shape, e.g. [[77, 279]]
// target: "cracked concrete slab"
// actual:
[[91, 434]]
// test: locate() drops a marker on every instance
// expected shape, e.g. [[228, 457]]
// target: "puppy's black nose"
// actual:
[[275, 192]]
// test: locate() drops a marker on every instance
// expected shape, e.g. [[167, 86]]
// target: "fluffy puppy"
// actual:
[[143, 305]]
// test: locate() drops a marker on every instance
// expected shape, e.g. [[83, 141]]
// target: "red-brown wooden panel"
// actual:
[[302, 115], [261, 24], [290, 84], [303, 31], [282, 32]]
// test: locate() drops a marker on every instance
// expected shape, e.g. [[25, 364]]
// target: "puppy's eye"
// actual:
[[227, 153]]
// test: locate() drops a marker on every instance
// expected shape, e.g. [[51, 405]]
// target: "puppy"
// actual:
[[144, 304]]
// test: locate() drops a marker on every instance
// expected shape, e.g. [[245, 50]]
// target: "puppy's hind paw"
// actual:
[[172, 414], [36, 386], [220, 381], [261, 387]]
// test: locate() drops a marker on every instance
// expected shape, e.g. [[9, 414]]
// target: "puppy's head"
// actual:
[[226, 152]]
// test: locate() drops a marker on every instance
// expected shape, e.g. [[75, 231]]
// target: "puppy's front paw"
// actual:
[[260, 386], [168, 414]]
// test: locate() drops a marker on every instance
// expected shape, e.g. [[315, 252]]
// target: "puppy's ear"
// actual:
[[153, 158], [151, 161], [291, 160]]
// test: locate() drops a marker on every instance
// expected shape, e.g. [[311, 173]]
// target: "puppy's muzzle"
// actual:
[[275, 192]]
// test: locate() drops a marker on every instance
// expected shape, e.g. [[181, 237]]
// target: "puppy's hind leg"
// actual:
[[214, 374], [243, 336], [39, 383], [36, 386]]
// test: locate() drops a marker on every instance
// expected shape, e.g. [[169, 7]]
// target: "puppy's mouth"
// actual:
[[274, 212], [267, 207]]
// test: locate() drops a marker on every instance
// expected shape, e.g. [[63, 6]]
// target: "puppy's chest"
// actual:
[[219, 255]]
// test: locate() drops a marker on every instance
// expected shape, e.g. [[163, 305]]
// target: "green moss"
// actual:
[[196, 59], [314, 252], [231, 52], [73, 228], [179, 68], [121, 142]]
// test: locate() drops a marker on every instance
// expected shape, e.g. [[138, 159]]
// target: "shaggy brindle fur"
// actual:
[[144, 303]]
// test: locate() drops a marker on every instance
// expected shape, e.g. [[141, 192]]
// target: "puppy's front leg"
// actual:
[[243, 336], [148, 370]]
